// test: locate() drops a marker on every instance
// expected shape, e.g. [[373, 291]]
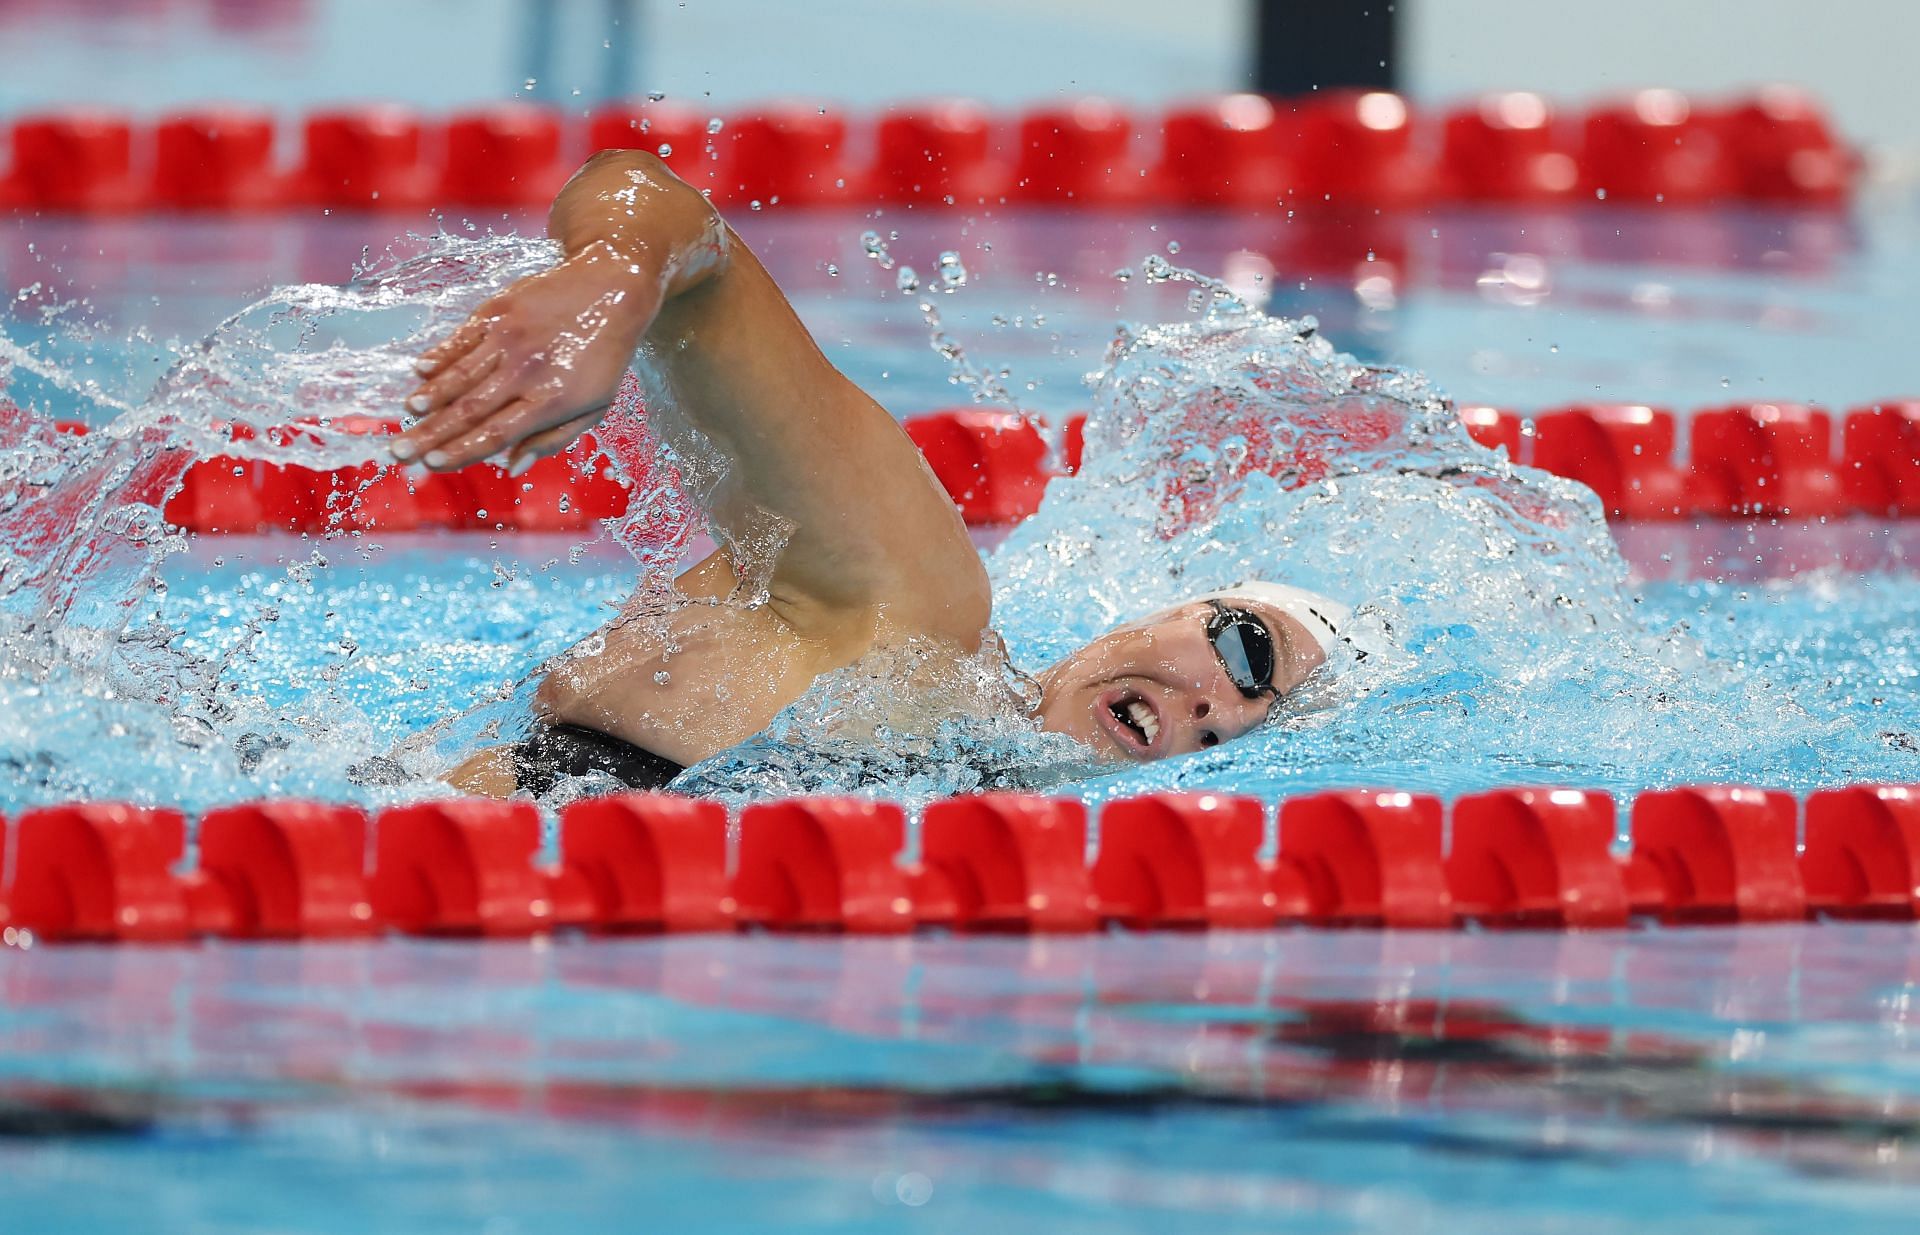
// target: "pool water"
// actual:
[[1753, 1080], [366, 639]]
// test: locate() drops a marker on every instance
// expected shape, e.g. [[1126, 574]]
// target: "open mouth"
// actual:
[[1134, 722]]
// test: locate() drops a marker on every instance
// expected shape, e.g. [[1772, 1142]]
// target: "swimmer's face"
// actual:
[[1156, 687]]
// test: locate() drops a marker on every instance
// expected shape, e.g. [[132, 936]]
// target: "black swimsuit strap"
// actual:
[[550, 752]]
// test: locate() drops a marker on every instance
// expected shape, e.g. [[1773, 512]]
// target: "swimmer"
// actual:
[[877, 553]]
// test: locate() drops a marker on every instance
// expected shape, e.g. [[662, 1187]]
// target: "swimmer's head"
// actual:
[[1193, 676]]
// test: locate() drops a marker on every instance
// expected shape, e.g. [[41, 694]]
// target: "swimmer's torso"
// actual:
[[699, 679]]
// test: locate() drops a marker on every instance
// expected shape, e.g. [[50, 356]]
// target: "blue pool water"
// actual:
[[1750, 1081], [1761, 653]]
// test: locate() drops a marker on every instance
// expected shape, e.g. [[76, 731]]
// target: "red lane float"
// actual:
[[993, 464], [508, 155], [1073, 443], [1764, 459], [1760, 460], [465, 866], [1356, 148], [99, 872], [1236, 151], [365, 158], [1880, 459], [1536, 857], [1862, 858], [1494, 428], [1188, 861], [1720, 853], [1623, 452], [938, 155], [1780, 140], [1077, 155], [80, 161], [1508, 148], [1005, 862], [1541, 858], [291, 870], [651, 862], [792, 154], [1656, 148], [1368, 858], [217, 160], [1226, 152], [823, 864]]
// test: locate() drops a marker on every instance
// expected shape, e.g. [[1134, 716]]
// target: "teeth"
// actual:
[[1142, 716]]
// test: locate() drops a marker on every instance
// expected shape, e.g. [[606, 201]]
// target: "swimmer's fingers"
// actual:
[[513, 421], [466, 430], [551, 441], [455, 380], [455, 345]]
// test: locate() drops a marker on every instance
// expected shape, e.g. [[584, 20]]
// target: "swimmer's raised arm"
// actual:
[[650, 267]]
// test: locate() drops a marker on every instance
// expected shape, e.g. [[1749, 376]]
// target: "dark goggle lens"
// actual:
[[1245, 649]]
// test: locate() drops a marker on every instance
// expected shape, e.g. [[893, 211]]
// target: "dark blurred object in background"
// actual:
[[1305, 45]]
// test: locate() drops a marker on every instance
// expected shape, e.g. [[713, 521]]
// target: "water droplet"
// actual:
[[1173, 246], [833, 271], [876, 248], [907, 280], [665, 150], [662, 677], [1124, 274], [716, 124], [952, 273], [654, 96]]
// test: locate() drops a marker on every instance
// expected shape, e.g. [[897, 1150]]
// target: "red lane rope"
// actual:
[[1759, 460], [1534, 858], [1345, 148]]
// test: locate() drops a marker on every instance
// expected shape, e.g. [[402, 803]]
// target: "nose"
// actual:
[[1223, 715]]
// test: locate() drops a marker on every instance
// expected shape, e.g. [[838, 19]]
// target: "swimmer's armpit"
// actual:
[[537, 365]]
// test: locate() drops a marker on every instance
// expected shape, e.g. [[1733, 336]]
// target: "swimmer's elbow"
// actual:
[[621, 188], [622, 197]]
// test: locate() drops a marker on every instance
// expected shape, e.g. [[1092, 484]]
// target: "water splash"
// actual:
[[103, 696], [1227, 445], [1237, 445]]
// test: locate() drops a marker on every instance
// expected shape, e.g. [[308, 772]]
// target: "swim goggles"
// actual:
[[1244, 646]]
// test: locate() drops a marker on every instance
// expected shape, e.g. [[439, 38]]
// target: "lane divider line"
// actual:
[[1525, 858]]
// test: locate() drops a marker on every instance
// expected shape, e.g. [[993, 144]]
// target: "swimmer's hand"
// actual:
[[534, 367], [539, 364]]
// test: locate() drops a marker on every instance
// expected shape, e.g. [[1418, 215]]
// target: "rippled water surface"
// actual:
[[1223, 444], [1758, 1080], [1754, 1081]]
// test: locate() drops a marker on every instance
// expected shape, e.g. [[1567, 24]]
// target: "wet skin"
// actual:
[[877, 553]]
